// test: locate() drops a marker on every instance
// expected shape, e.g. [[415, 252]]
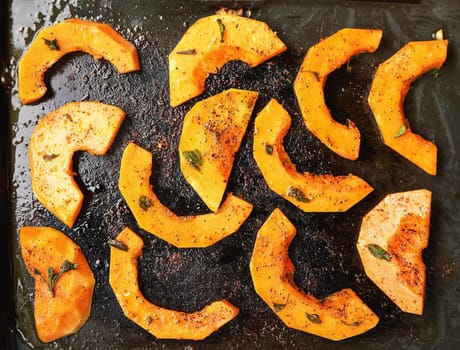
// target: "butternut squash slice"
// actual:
[[211, 135], [64, 282], [181, 231], [391, 240], [77, 126], [52, 43], [210, 43], [160, 322], [388, 92], [307, 191], [339, 316], [320, 60]]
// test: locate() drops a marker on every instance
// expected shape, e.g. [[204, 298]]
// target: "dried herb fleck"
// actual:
[[194, 158], [352, 324], [314, 318], [402, 130], [221, 29], [187, 52], [49, 157], [53, 277], [435, 72], [268, 149], [297, 194], [145, 202], [379, 252], [117, 244], [278, 307], [52, 44]]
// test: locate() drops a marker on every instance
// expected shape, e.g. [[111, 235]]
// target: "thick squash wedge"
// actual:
[[64, 282], [339, 316], [77, 126], [388, 91], [52, 43], [391, 240], [160, 322], [210, 43], [320, 60], [307, 191], [211, 135], [152, 216]]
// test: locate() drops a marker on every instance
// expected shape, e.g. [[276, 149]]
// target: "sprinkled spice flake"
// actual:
[[145, 202], [49, 157], [194, 158], [313, 318], [268, 149], [221, 29], [297, 194], [278, 307], [52, 44], [379, 252], [187, 52], [117, 244]]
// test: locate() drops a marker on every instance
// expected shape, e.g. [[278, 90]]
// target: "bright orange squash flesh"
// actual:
[[66, 311], [52, 43], [214, 128], [160, 322], [194, 231], [338, 316], [321, 59], [77, 126], [388, 92], [307, 191], [210, 43], [397, 231]]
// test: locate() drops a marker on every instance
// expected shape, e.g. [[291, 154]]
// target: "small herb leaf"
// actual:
[[352, 324], [268, 149], [221, 29], [278, 307], [187, 52], [379, 252], [52, 44], [297, 194], [117, 244], [313, 318], [145, 202], [49, 157], [435, 72], [402, 130], [194, 158]]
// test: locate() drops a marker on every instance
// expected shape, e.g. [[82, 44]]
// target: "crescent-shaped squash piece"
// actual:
[[307, 191], [388, 91], [181, 231], [336, 317], [211, 135], [160, 322], [321, 59], [61, 307], [210, 43], [52, 43], [77, 126], [390, 243]]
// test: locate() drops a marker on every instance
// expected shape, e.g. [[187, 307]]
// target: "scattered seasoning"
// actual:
[[438, 35], [314, 318], [52, 44], [194, 158], [297, 194], [379, 252], [49, 157], [278, 307], [435, 72], [316, 74], [268, 149], [352, 324], [53, 277], [187, 52], [221, 29], [402, 130], [117, 244], [145, 202]]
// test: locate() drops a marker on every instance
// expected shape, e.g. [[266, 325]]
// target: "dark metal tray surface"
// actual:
[[187, 279]]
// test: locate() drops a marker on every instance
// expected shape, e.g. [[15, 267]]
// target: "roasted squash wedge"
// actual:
[[181, 231], [388, 91], [160, 322], [320, 60], [391, 240], [64, 282], [339, 316], [52, 43], [211, 135], [77, 126], [307, 191], [210, 43]]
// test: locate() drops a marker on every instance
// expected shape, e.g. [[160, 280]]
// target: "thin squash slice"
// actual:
[[52, 43], [321, 59], [338, 316], [191, 231], [390, 243], [77, 126], [307, 191], [210, 43], [158, 321], [388, 92], [64, 282], [211, 135]]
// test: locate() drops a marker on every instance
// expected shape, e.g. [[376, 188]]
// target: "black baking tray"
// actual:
[[187, 279]]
